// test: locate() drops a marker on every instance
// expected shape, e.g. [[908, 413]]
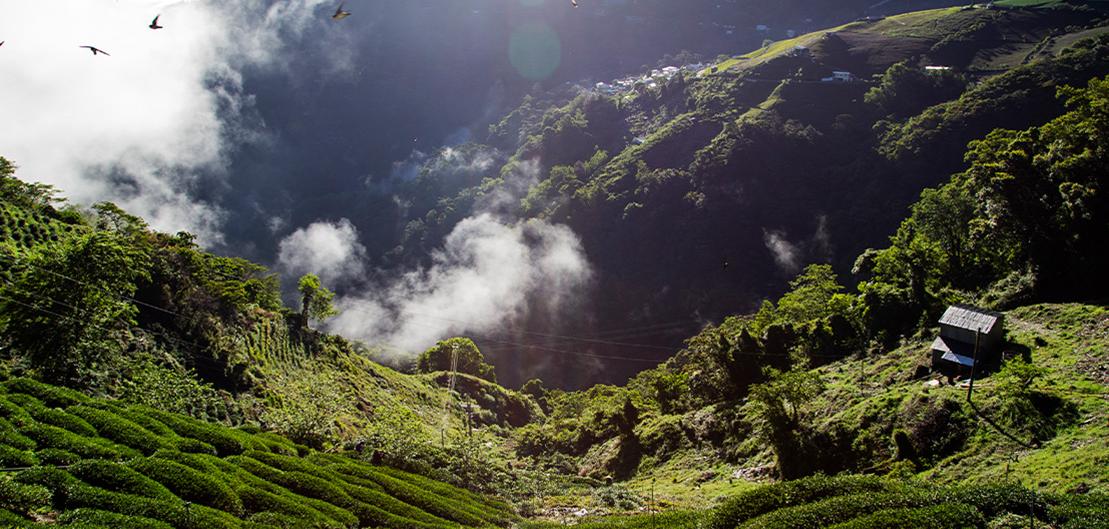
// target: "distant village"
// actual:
[[650, 80]]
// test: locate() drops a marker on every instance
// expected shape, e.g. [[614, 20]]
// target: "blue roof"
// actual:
[[958, 359], [954, 351]]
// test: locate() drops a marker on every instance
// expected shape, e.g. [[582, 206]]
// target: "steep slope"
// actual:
[[96, 463], [699, 195], [828, 380], [96, 301]]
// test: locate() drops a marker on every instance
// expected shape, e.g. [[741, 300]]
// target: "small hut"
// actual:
[[963, 329]]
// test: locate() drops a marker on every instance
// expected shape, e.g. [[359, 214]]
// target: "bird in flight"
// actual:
[[339, 13], [574, 3], [2, 42], [96, 50], [154, 25]]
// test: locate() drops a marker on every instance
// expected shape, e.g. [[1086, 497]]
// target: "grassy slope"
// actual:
[[869, 394], [264, 347], [139, 462], [1015, 33]]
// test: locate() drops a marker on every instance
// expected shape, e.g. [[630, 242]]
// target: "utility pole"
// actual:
[[974, 362], [651, 506], [452, 381]]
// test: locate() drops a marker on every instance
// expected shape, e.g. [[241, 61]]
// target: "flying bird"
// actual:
[[2, 42], [154, 25], [339, 13], [96, 50], [574, 3]]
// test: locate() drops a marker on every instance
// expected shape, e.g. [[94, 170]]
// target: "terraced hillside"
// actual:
[[210, 337], [867, 502], [83, 462]]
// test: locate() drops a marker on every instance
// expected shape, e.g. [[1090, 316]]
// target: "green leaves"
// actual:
[[315, 299], [470, 359], [69, 310]]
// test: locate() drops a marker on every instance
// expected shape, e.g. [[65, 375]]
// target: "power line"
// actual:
[[556, 336], [58, 274]]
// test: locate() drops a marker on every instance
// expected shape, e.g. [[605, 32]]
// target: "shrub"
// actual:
[[136, 415], [840, 509], [9, 436], [14, 457], [57, 481], [290, 464], [992, 500], [195, 461], [756, 502], [54, 456], [274, 443], [428, 501], [259, 501], [11, 520], [669, 520], [53, 437], [53, 416], [121, 430], [13, 412], [22, 497], [390, 505], [944, 516], [174, 513], [224, 441], [113, 520], [120, 478], [267, 520], [257, 468], [54, 396], [191, 484], [1081, 512], [463, 496]]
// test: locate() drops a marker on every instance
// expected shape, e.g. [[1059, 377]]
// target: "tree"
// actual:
[[306, 406], [69, 310], [905, 90], [815, 294], [470, 360], [778, 408], [315, 301]]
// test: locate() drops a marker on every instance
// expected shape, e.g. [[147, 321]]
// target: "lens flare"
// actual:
[[535, 50]]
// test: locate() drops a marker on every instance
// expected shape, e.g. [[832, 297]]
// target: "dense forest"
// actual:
[[148, 382]]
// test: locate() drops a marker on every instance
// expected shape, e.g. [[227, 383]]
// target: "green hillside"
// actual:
[[96, 463], [818, 228], [720, 186]]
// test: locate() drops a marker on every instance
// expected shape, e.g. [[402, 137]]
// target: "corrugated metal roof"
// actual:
[[970, 318]]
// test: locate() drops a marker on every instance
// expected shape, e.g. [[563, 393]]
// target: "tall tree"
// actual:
[[315, 300], [67, 310]]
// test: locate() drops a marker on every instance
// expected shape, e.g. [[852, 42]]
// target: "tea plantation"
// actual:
[[871, 502], [77, 461]]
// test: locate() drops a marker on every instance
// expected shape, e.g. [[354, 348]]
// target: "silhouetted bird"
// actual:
[[154, 25], [2, 42], [339, 13], [96, 50]]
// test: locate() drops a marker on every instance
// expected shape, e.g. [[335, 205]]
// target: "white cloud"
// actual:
[[149, 125], [485, 277], [328, 249], [786, 254]]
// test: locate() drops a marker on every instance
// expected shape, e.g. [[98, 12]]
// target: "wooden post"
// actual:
[[974, 362]]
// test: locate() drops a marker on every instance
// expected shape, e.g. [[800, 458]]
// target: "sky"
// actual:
[[265, 127]]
